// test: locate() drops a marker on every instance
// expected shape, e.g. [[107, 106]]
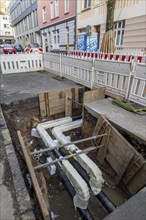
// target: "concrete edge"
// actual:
[[22, 195]]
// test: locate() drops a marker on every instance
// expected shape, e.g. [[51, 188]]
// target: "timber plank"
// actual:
[[94, 95], [47, 104], [68, 104], [136, 166], [57, 110], [42, 105], [115, 146], [102, 151], [38, 191], [138, 181], [56, 102]]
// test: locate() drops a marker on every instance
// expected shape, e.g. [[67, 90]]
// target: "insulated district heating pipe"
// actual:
[[82, 191], [58, 132], [85, 214], [107, 204]]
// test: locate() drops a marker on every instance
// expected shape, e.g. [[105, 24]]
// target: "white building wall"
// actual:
[[132, 11], [5, 20], [6, 31], [95, 17]]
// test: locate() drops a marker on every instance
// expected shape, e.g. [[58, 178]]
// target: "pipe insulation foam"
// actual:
[[82, 191], [95, 174]]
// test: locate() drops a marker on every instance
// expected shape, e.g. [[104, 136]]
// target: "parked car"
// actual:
[[9, 49], [2, 46], [34, 48], [19, 48]]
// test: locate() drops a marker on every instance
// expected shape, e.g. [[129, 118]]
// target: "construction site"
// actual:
[[68, 149]]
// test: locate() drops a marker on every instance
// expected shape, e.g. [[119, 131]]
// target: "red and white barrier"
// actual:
[[109, 56]]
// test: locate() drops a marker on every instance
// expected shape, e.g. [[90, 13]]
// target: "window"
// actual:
[[7, 33], [67, 35], [36, 17], [6, 25], [87, 4], [119, 33], [44, 14], [52, 9], [5, 18], [56, 8], [56, 37], [66, 6]]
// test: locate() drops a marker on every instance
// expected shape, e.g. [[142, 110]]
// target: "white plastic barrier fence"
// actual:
[[113, 75], [78, 70], [16, 63], [52, 63], [138, 89]]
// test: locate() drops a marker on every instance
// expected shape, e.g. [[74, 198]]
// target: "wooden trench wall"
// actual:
[[128, 165], [59, 101]]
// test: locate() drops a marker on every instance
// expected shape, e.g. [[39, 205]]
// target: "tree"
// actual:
[[108, 42]]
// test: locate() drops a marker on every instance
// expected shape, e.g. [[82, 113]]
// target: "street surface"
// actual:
[[20, 86]]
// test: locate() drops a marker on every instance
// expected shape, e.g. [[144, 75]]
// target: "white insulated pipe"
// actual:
[[82, 191], [56, 122], [91, 168]]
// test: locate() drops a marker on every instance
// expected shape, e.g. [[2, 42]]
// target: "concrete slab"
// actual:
[[134, 208], [20, 86], [132, 123]]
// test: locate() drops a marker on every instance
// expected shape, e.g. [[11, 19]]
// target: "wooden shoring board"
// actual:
[[138, 181], [47, 104], [94, 95], [39, 195], [68, 104], [73, 97], [42, 102], [53, 102], [117, 150], [134, 167]]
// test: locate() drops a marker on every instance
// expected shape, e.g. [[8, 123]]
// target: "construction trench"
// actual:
[[73, 163]]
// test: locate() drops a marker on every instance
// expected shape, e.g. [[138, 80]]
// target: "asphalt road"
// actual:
[[20, 86]]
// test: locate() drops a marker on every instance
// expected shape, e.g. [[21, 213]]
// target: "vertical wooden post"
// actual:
[[38, 191], [42, 105], [47, 104], [68, 104]]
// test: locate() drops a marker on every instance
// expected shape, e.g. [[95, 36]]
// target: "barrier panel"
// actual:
[[52, 63], [15, 63], [138, 89], [114, 76], [78, 70]]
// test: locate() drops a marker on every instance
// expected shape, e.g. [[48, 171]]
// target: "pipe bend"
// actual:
[[96, 179], [82, 191]]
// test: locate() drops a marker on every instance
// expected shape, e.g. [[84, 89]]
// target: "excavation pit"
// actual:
[[26, 115]]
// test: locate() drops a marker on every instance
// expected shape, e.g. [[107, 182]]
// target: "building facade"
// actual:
[[129, 17], [57, 24], [24, 16], [6, 31]]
